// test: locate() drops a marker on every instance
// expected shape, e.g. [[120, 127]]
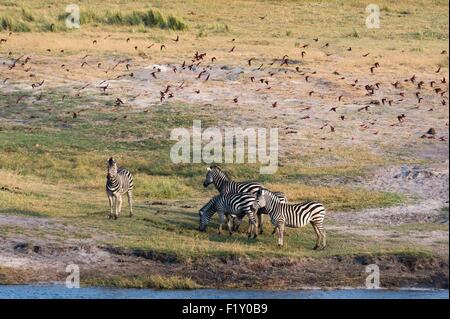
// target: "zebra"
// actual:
[[293, 215], [223, 183], [237, 221], [236, 204], [118, 181]]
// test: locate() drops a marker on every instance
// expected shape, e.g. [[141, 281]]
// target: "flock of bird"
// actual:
[[200, 67]]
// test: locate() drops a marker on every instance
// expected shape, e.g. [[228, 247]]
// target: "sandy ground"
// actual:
[[367, 109], [38, 259]]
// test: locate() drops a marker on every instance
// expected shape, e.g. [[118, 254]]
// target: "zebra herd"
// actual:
[[234, 201]]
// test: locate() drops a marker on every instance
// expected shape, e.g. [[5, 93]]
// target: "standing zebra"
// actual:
[[118, 181], [230, 204], [223, 183], [293, 215]]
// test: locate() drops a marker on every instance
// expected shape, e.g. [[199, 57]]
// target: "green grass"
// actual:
[[144, 281], [26, 20]]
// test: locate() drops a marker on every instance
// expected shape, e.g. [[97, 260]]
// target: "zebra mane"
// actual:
[[217, 168], [207, 207]]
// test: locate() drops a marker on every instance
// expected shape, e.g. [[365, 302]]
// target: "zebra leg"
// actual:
[[260, 222], [118, 206], [230, 222], [324, 239], [220, 222], [130, 202], [316, 230], [111, 204], [281, 235]]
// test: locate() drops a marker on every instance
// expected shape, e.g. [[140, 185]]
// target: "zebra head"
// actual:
[[209, 179], [112, 167], [261, 197], [215, 175]]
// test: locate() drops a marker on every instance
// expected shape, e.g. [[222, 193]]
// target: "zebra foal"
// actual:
[[118, 181], [293, 215], [237, 204]]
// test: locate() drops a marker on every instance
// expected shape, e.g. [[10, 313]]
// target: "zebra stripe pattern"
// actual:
[[118, 182], [223, 183], [237, 204], [293, 215]]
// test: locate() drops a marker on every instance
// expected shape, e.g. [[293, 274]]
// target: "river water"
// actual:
[[59, 291]]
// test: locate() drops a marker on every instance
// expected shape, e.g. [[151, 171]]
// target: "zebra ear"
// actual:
[[208, 169]]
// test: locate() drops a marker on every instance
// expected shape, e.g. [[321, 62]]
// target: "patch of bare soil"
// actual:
[[425, 187], [227, 272]]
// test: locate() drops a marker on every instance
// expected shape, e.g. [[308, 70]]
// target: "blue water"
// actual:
[[58, 291]]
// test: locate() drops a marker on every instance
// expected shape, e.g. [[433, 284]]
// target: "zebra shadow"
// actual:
[[238, 237]]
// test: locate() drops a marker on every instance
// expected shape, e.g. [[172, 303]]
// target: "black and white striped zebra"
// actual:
[[223, 183], [228, 204], [118, 181], [293, 215]]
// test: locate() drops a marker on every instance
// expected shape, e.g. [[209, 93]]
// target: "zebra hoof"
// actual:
[[131, 215], [115, 217]]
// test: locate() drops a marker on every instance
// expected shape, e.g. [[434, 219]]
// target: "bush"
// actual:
[[9, 24]]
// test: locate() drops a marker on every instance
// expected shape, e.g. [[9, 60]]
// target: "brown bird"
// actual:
[[213, 59], [162, 47], [274, 104], [332, 109], [303, 53], [306, 78], [340, 97], [176, 40], [20, 98], [250, 61], [128, 40], [438, 70], [349, 49], [401, 117], [365, 108], [235, 100], [364, 55], [310, 93], [232, 49], [431, 131]]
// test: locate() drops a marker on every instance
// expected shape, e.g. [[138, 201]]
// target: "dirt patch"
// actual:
[[28, 262]]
